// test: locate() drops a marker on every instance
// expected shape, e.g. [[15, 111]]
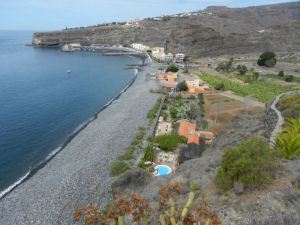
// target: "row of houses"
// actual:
[[159, 54], [170, 80]]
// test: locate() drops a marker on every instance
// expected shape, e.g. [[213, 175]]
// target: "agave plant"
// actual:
[[292, 124], [288, 142]]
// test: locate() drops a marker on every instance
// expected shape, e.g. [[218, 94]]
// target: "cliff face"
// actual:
[[213, 31]]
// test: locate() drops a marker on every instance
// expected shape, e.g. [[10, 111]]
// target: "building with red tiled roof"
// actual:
[[207, 135], [186, 128], [193, 138]]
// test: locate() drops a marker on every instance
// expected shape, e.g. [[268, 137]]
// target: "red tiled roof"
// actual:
[[193, 138], [185, 128]]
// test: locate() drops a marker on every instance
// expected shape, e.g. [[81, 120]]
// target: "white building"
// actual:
[[139, 47], [179, 57], [158, 52]]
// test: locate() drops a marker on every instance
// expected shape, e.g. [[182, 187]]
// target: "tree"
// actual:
[[173, 112], [172, 68], [182, 86], [192, 112], [220, 86], [267, 59], [226, 67], [289, 78], [281, 73], [242, 69]]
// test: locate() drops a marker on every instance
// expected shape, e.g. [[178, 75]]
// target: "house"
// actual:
[[193, 138], [207, 135], [157, 52], [179, 57], [139, 47], [186, 128], [195, 82], [163, 128]]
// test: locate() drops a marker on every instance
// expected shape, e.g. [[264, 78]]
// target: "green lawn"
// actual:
[[262, 91]]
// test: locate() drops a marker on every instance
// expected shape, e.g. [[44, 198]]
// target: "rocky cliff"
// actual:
[[210, 32]]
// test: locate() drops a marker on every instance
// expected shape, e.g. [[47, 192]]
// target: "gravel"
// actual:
[[63, 184]]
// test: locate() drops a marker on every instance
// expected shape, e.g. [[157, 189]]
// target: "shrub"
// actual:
[[281, 73], [204, 124], [142, 164], [172, 68], [164, 115], [149, 153], [117, 168], [267, 59], [270, 63], [164, 106], [173, 112], [289, 106], [182, 86], [249, 162], [128, 154], [220, 86], [288, 142], [192, 112], [152, 112], [167, 141], [242, 69], [289, 78]]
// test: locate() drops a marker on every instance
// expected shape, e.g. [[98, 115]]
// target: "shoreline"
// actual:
[[48, 191], [69, 138]]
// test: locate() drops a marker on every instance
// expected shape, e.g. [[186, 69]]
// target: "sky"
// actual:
[[44, 15]]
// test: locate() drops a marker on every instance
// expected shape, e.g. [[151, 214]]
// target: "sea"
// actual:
[[42, 106]]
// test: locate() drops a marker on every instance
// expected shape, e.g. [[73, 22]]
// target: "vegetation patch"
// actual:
[[152, 112], [167, 142], [117, 168], [172, 68], [250, 162], [262, 91], [281, 76], [288, 141], [289, 106]]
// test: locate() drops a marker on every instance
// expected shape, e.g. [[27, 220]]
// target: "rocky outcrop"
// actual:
[[191, 151], [213, 31]]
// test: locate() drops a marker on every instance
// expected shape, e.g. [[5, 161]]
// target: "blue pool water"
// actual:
[[163, 170], [41, 105]]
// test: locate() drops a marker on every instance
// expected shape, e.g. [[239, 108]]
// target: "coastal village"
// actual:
[[204, 127]]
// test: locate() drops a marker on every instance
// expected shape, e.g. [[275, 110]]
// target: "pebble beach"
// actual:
[[68, 181]]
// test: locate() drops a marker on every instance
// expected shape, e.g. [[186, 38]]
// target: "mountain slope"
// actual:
[[213, 31]]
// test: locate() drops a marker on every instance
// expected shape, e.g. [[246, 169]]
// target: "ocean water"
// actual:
[[41, 105]]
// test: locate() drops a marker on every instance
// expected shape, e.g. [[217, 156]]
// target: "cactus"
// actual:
[[121, 220], [162, 219]]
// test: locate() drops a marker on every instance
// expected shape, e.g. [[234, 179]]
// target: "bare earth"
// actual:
[[53, 193]]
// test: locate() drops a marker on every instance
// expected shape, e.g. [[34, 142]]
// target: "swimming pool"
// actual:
[[163, 170]]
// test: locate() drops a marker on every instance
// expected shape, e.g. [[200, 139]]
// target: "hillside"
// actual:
[[210, 32]]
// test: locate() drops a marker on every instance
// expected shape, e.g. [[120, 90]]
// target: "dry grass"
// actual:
[[219, 110]]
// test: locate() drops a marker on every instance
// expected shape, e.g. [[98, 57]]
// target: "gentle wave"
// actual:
[[7, 190]]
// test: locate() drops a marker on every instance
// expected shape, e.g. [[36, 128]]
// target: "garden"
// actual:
[[261, 90]]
